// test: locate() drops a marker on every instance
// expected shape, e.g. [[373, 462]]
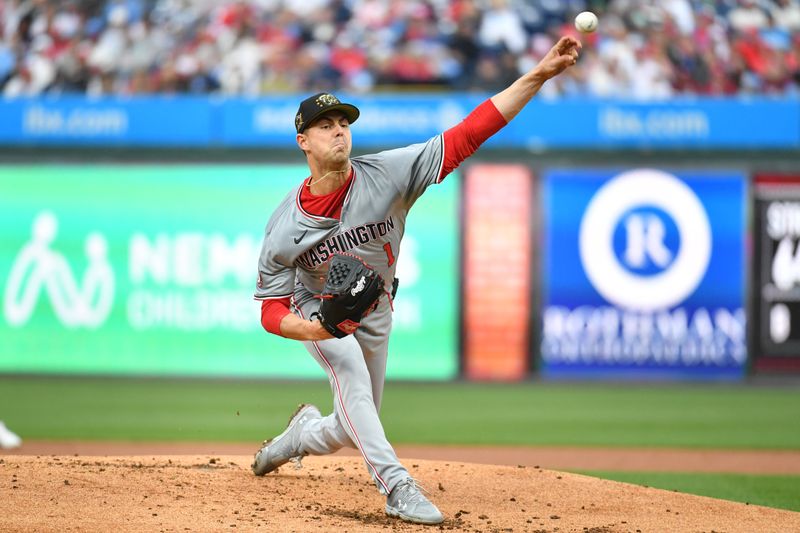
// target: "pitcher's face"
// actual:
[[328, 139]]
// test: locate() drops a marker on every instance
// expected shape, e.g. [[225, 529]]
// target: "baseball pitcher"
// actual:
[[327, 265]]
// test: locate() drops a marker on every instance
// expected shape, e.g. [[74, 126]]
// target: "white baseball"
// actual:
[[586, 22]]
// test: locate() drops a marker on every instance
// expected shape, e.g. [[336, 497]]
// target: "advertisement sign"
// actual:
[[151, 270], [384, 121], [79, 121], [644, 274], [498, 207], [776, 272], [393, 119]]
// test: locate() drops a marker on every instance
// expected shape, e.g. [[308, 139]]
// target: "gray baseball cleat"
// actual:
[[280, 450], [407, 502]]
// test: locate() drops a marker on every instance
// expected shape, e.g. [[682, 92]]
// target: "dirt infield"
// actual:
[[202, 493], [171, 491], [553, 458], [785, 462]]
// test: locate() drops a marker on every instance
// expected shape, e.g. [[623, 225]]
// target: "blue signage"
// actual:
[[399, 119], [643, 274], [172, 121], [728, 123]]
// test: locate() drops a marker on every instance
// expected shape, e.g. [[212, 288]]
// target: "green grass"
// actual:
[[694, 416], [782, 492], [691, 416], [535, 414]]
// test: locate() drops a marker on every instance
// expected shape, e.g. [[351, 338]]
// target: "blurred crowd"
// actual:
[[647, 49]]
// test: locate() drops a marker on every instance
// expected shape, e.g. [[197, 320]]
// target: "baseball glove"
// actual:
[[351, 291]]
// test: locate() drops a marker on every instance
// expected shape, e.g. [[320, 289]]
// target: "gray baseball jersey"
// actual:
[[298, 244], [294, 262]]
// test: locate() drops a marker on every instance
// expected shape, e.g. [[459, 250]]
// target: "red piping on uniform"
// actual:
[[350, 188], [346, 416], [300, 207], [391, 300], [330, 206]]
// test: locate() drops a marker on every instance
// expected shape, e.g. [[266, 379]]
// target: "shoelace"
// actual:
[[413, 491]]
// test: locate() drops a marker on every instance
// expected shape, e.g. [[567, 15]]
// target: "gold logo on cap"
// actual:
[[327, 100], [298, 121]]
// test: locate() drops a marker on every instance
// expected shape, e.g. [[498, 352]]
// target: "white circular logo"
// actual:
[[615, 283]]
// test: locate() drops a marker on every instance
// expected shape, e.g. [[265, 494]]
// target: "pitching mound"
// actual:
[[219, 493]]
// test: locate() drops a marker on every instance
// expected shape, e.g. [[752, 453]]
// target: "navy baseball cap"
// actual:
[[314, 106]]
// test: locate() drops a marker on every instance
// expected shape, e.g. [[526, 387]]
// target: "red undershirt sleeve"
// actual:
[[463, 139], [272, 312]]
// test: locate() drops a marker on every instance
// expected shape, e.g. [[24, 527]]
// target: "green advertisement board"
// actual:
[[150, 270]]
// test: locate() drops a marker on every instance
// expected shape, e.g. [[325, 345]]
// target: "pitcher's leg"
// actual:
[[354, 406], [324, 436], [374, 342]]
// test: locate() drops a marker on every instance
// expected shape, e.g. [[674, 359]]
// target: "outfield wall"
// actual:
[[558, 251]]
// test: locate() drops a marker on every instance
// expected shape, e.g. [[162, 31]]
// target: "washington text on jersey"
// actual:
[[342, 242]]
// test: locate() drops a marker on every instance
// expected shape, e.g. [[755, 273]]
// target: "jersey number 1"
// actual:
[[389, 254]]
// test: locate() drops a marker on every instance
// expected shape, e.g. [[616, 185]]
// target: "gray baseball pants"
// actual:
[[356, 368]]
